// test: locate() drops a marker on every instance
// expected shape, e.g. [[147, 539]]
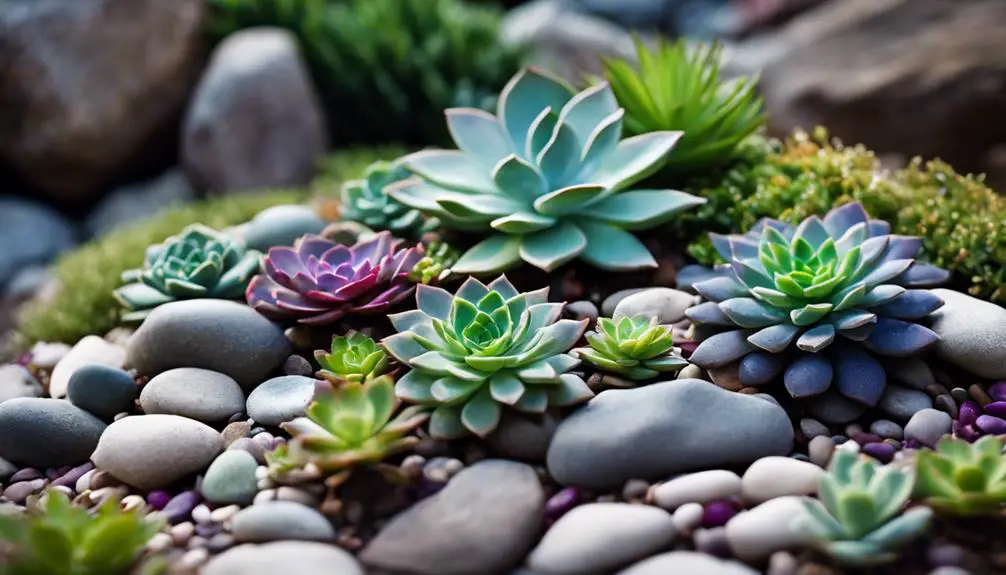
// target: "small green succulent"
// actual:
[[482, 348], [678, 88], [547, 177], [855, 519], [199, 262], [54, 537], [435, 266], [635, 347], [354, 357], [963, 478], [347, 426], [365, 201]]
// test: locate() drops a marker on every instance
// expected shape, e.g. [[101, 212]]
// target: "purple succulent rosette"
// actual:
[[816, 303], [318, 281]]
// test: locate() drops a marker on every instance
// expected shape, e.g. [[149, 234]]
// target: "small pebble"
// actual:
[[223, 514], [812, 428], [297, 365], [251, 446], [700, 487], [820, 450], [26, 474], [207, 530], [19, 492], [196, 541], [688, 517], [782, 563], [863, 438], [192, 559], [717, 513], [182, 532], [220, 542], [102, 479], [280, 520], [850, 446], [635, 489], [712, 541], [580, 310], [201, 514], [945, 555], [180, 507], [72, 476], [84, 483], [562, 502], [946, 404], [991, 424], [997, 391], [776, 476], [160, 542], [928, 426], [235, 431], [959, 394], [950, 571], [295, 495], [883, 452], [978, 394], [158, 499], [759, 532], [131, 502]]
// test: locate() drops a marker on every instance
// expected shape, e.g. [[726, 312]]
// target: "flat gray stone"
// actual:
[[89, 350], [688, 563], [927, 426], [522, 436], [218, 335], [300, 557], [195, 393], [629, 532], [153, 451], [902, 403], [43, 432], [663, 429], [699, 487], [281, 520], [971, 334], [103, 390], [280, 399], [231, 478], [666, 304], [281, 226], [484, 521]]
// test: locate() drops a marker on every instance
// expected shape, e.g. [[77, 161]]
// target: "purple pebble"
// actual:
[[968, 413], [991, 424], [969, 433], [180, 507], [69, 479], [158, 499], [997, 391], [717, 513], [561, 502], [883, 452], [996, 408]]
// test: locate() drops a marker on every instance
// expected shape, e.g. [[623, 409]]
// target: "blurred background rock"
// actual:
[[111, 110]]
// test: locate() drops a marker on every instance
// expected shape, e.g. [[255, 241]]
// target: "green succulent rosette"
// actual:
[[365, 201], [354, 357], [962, 478], [635, 347]]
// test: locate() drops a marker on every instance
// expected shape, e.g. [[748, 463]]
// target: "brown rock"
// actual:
[[87, 85]]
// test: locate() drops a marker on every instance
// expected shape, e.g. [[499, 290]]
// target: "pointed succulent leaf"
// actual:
[[641, 209]]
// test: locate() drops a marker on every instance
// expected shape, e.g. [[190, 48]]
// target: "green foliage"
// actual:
[[677, 88], [634, 347], [365, 201], [485, 347], [435, 266], [963, 478], [855, 519], [354, 357], [199, 262], [386, 69], [88, 275], [346, 426], [57, 538]]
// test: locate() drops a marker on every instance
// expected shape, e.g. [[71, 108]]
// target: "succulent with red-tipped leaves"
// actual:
[[318, 281]]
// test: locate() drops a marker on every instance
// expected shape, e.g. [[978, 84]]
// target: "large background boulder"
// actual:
[[88, 86], [901, 76]]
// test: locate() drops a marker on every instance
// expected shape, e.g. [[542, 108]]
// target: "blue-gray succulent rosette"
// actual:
[[547, 178], [820, 304]]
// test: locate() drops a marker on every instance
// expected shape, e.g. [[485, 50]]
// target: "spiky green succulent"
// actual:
[[547, 178], [635, 347], [835, 287], [55, 537], [435, 265], [354, 357], [483, 348], [365, 201], [200, 262], [347, 426], [857, 517], [678, 87], [963, 478]]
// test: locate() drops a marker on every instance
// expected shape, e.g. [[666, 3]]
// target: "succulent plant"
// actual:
[[354, 357], [676, 87], [347, 426], [842, 275], [199, 262], [963, 478], [364, 200], [546, 178], [55, 537], [635, 347], [435, 267], [482, 348], [855, 518], [318, 281]]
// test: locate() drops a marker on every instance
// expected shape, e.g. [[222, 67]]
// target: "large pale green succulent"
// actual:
[[855, 519], [546, 177], [364, 200], [200, 262], [635, 347], [963, 478], [486, 347]]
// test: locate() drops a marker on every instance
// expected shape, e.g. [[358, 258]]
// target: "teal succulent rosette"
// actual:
[[364, 200], [547, 178]]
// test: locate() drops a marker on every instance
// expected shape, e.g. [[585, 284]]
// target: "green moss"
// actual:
[[88, 275], [959, 218]]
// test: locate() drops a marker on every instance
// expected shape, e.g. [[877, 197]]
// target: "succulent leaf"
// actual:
[[963, 478], [545, 180], [483, 349], [354, 357]]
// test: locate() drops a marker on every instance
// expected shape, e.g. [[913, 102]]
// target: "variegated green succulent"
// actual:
[[353, 357], [635, 347], [485, 347], [346, 426], [547, 178], [365, 201], [200, 262], [963, 478], [856, 518]]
